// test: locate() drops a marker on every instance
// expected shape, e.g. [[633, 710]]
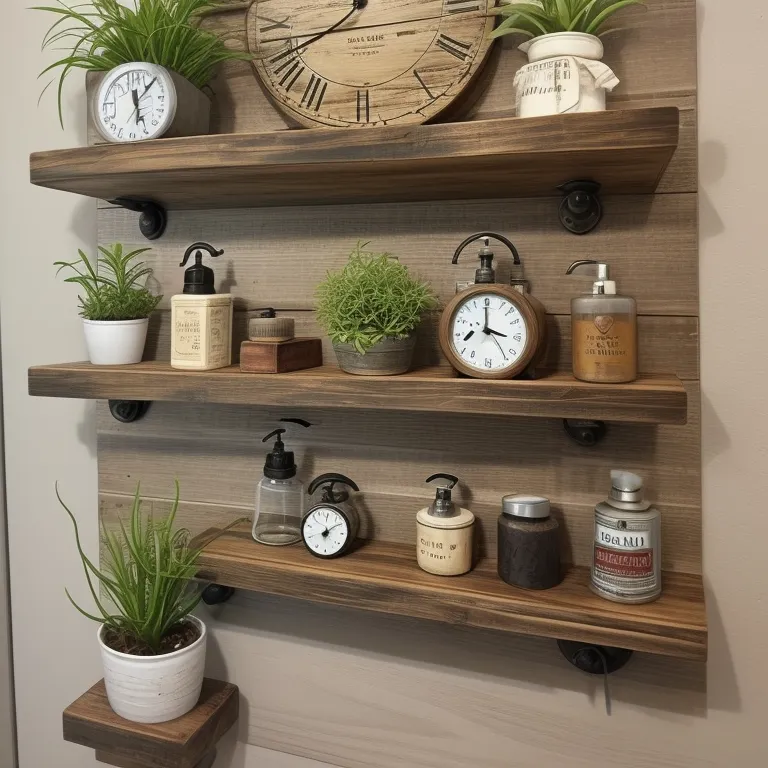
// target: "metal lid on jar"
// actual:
[[531, 507], [626, 486]]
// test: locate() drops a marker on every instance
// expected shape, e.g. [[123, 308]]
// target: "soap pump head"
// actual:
[[626, 486], [328, 482], [199, 279], [485, 273], [603, 284], [280, 464], [443, 506]]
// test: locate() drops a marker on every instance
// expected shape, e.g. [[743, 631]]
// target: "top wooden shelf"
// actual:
[[625, 150]]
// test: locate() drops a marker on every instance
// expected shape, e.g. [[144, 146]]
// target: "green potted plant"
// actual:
[[565, 34], [155, 58], [370, 309], [152, 647], [115, 304]]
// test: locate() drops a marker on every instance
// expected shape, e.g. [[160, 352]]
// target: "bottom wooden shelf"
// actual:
[[384, 577], [187, 742]]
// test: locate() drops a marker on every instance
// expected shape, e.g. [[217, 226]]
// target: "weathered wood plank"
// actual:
[[277, 257]]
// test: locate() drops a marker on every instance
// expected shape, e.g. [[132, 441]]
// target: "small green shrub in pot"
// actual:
[[115, 303], [370, 309], [152, 648]]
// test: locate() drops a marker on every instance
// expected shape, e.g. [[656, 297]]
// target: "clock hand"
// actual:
[[137, 99], [496, 341], [469, 336], [490, 331], [357, 5]]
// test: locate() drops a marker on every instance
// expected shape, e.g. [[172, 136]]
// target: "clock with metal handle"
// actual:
[[490, 330], [331, 525]]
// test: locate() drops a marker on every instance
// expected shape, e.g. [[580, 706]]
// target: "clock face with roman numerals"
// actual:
[[353, 63]]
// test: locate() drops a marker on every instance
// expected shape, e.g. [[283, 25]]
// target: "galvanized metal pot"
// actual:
[[387, 358]]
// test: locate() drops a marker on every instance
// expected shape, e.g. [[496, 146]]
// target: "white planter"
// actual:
[[564, 74], [115, 342], [154, 689]]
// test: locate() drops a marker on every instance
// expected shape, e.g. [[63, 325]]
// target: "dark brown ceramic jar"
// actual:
[[529, 547]]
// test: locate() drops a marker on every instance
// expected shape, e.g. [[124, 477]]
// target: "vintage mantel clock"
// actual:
[[331, 526], [490, 330], [353, 63]]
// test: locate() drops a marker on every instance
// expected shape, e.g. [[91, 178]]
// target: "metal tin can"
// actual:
[[626, 564]]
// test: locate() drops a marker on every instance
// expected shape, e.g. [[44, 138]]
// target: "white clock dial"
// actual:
[[135, 102], [489, 332], [325, 531]]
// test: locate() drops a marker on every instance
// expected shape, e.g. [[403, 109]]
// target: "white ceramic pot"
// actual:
[[115, 342], [154, 689], [564, 74]]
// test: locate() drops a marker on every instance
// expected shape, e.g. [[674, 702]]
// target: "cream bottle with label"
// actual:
[[201, 319], [603, 331], [444, 533], [626, 566]]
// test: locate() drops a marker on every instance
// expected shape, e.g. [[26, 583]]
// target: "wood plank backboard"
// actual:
[[275, 257]]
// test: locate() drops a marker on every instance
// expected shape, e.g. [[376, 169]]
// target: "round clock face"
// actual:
[[488, 333], [347, 63], [325, 531], [135, 102]]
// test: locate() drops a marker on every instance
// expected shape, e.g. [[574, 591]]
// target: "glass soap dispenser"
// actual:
[[279, 497]]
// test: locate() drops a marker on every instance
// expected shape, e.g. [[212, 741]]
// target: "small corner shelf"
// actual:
[[649, 400], [384, 577], [625, 151], [187, 742]]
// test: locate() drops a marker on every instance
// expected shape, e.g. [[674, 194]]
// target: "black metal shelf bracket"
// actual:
[[585, 432], [594, 659], [128, 411], [581, 209], [153, 219], [216, 594]]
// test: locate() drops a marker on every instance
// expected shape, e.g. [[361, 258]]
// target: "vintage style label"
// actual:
[[549, 87], [219, 335], [604, 348], [187, 333], [626, 557], [444, 552]]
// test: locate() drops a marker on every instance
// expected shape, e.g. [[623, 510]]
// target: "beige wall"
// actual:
[[450, 697]]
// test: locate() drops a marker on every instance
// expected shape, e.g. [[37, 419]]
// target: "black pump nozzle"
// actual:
[[199, 279], [329, 480], [443, 506], [280, 464], [486, 273]]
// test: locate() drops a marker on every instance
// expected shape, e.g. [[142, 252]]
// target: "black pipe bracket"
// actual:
[[217, 594], [128, 411], [153, 218], [580, 210], [585, 432]]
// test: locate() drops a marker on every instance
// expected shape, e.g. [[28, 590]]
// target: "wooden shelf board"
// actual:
[[180, 743], [384, 577], [625, 150], [649, 400]]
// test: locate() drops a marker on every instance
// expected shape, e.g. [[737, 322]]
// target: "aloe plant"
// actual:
[[543, 17]]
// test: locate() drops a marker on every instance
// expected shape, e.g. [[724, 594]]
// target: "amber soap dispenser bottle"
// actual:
[[603, 330]]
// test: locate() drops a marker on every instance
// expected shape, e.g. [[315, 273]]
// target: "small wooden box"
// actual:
[[280, 357]]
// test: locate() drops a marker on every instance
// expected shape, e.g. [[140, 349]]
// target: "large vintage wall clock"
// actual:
[[351, 63]]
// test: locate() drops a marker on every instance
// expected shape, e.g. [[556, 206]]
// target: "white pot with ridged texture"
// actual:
[[154, 689]]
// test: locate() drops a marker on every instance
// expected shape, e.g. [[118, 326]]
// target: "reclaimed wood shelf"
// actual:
[[187, 742], [625, 150], [649, 400], [384, 577]]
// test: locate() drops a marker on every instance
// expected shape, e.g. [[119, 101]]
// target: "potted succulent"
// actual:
[[156, 58], [152, 647], [115, 304], [564, 73], [370, 309]]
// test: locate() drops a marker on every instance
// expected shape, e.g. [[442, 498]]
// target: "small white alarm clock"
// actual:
[[331, 526]]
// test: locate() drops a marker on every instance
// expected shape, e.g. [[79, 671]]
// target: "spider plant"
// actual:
[[115, 293], [102, 34], [146, 578], [543, 17], [373, 297]]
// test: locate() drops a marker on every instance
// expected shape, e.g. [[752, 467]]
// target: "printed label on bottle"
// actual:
[[444, 552], [626, 557], [548, 87], [605, 348], [219, 335], [187, 334]]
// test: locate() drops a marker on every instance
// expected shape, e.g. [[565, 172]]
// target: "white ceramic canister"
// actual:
[[115, 342], [154, 689], [564, 74], [626, 564]]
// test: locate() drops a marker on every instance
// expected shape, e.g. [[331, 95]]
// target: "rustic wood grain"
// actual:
[[625, 150], [649, 400], [180, 743], [281, 357], [276, 257], [383, 577]]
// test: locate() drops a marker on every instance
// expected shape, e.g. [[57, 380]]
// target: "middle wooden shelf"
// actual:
[[384, 577], [649, 400]]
